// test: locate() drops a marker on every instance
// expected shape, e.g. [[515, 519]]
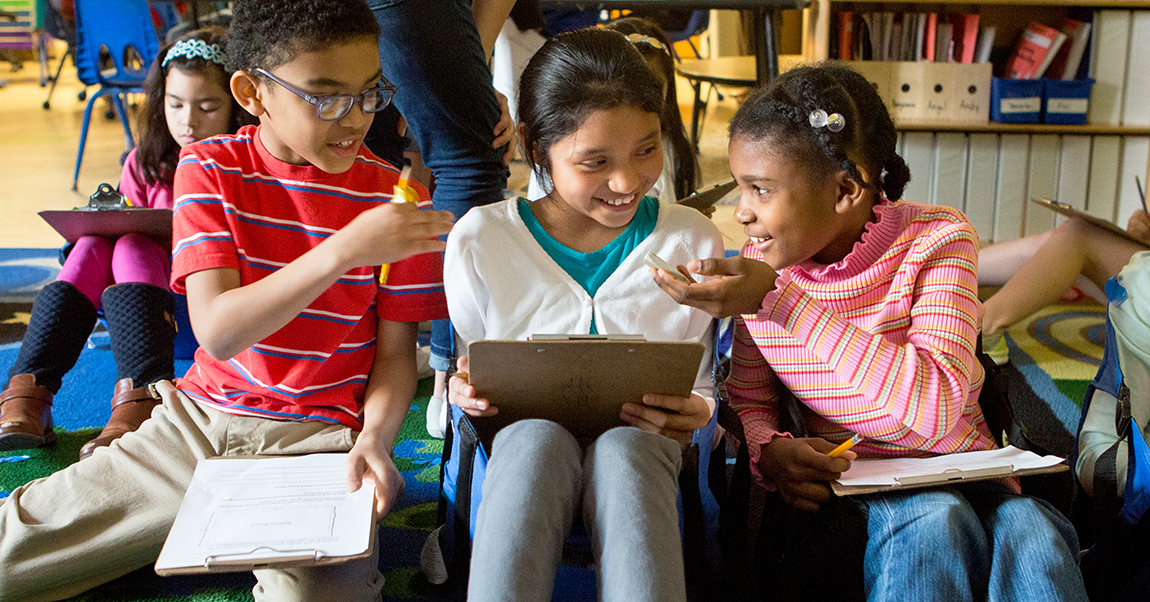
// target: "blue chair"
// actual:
[[116, 35], [696, 25]]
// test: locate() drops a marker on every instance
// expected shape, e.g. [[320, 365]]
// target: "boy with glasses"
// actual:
[[279, 233]]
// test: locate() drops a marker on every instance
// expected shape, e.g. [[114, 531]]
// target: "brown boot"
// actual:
[[25, 414], [130, 408]]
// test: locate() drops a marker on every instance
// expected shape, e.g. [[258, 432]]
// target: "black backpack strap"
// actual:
[[468, 441]]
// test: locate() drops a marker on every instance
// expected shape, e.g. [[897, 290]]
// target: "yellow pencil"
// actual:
[[399, 195], [849, 443]]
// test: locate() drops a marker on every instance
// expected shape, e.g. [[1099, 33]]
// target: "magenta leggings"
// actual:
[[95, 263]]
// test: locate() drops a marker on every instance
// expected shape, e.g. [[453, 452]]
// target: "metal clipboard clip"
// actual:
[[956, 474], [245, 558]]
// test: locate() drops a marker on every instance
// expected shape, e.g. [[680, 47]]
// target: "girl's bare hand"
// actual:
[[674, 417], [464, 396], [738, 289], [801, 469]]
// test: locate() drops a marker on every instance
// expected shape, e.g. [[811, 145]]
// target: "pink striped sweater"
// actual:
[[881, 343]]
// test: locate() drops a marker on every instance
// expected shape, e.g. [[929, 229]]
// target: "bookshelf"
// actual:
[[990, 170]]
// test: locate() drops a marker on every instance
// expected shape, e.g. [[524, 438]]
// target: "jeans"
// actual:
[[626, 483], [977, 542], [431, 51]]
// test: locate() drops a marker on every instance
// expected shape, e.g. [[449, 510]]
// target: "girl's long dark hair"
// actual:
[[686, 166], [573, 75], [158, 152]]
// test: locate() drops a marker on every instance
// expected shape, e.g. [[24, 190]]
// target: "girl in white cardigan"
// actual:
[[572, 263]]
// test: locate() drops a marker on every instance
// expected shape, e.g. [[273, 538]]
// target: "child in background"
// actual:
[[679, 176], [867, 311], [1038, 270], [276, 233], [187, 100], [589, 113]]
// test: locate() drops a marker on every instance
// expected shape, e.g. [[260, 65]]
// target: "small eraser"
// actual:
[[654, 261]]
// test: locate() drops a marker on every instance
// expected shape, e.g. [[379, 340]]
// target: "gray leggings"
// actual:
[[627, 485]]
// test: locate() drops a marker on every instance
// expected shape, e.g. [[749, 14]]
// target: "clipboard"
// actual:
[[109, 215], [249, 513], [953, 469], [1069, 211], [578, 381], [701, 199]]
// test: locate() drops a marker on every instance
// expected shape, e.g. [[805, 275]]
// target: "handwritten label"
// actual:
[[1067, 105], [1030, 104]]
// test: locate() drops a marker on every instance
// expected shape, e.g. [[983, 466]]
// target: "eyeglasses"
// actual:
[[332, 108]]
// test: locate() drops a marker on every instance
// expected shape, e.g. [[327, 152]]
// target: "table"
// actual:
[[724, 71], [765, 12]]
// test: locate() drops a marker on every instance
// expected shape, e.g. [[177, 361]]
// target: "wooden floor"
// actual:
[[38, 154]]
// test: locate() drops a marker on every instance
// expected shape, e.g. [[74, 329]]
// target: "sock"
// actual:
[[142, 327], [62, 318]]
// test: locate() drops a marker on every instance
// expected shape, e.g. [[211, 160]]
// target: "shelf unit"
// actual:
[[989, 169]]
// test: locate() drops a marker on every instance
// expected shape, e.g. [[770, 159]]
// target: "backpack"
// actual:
[[1111, 440]]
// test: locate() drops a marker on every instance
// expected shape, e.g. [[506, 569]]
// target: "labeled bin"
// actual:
[[1016, 100], [1066, 102]]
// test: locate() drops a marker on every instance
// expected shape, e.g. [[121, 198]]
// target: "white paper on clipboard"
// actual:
[[244, 513], [874, 475]]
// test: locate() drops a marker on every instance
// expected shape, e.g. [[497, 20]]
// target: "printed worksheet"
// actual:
[[865, 476], [244, 513]]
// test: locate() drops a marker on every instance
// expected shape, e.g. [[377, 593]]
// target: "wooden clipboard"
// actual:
[[702, 199], [1069, 211], [111, 223], [581, 382]]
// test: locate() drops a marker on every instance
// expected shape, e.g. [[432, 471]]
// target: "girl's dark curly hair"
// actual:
[[573, 75], [158, 152], [686, 168], [780, 113]]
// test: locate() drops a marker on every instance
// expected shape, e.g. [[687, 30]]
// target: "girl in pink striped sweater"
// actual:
[[867, 310]]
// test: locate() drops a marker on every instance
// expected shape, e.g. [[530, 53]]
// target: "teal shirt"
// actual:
[[591, 270]]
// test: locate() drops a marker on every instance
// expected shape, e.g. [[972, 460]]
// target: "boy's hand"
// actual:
[[504, 130], [390, 233], [462, 394], [1139, 226], [674, 417], [800, 469], [739, 289], [370, 460]]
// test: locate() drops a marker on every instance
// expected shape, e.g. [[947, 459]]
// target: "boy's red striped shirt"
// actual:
[[238, 207]]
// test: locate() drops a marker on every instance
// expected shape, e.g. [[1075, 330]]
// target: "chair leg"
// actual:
[[121, 110], [84, 134], [698, 110], [55, 80]]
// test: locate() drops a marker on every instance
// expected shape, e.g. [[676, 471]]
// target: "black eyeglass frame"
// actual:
[[320, 101]]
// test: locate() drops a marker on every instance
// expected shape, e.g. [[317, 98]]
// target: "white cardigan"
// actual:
[[502, 285]]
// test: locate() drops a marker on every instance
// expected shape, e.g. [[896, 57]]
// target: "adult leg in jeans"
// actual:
[[1034, 548], [630, 490], [925, 544], [431, 51], [529, 498]]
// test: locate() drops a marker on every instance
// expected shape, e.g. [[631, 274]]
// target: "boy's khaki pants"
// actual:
[[109, 514]]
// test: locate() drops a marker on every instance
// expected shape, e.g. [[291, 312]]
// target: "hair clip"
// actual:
[[638, 38], [195, 48], [834, 122]]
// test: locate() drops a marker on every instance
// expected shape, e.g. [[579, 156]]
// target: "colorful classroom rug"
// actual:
[[1053, 357]]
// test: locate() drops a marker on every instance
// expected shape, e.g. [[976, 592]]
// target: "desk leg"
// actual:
[[766, 45]]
